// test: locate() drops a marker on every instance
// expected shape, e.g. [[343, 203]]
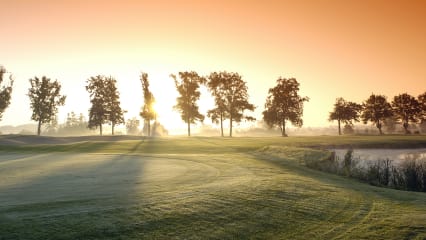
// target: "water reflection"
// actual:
[[397, 156]]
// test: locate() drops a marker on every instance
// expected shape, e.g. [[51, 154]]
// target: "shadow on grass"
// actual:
[[89, 187]]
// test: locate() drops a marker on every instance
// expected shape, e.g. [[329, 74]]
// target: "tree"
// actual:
[[5, 91], [406, 109], [284, 104], [390, 124], [348, 129], [53, 126], [187, 85], [148, 111], [75, 125], [132, 126], [346, 112], [231, 99], [45, 96], [105, 101], [422, 115], [115, 113], [376, 109]]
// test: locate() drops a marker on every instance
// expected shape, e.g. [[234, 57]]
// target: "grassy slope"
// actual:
[[223, 188]]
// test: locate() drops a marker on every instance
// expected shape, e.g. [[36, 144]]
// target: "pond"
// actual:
[[396, 155]]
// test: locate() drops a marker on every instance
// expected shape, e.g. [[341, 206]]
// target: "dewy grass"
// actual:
[[198, 188]]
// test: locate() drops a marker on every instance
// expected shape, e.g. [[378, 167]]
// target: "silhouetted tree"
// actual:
[[217, 115], [45, 97], [231, 99], [284, 104], [148, 111], [376, 109], [187, 85], [422, 115], [97, 112], [406, 109], [105, 100], [115, 113], [5, 91], [346, 112]]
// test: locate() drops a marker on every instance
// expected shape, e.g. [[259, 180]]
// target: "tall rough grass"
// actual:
[[410, 175]]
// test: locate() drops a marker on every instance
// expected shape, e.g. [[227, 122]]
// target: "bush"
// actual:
[[326, 164]]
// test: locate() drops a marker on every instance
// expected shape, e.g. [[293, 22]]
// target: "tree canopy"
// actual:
[[422, 115], [105, 100], [346, 112], [231, 98], [284, 104], [5, 91], [45, 97], [406, 109], [148, 112], [188, 85], [376, 109]]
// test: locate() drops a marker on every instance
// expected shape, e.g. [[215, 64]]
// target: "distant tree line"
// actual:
[[230, 92], [403, 109]]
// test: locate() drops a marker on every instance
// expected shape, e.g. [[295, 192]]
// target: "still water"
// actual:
[[396, 155]]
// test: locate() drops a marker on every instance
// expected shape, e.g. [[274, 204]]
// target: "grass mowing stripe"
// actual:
[[252, 188]]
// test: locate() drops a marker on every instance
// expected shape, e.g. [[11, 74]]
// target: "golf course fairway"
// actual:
[[196, 188]]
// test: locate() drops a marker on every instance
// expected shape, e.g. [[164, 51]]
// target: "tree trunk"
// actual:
[[283, 130], [100, 129], [379, 126], [112, 128], [338, 122], [405, 125], [39, 128], [230, 126], [149, 128], [189, 128], [221, 124]]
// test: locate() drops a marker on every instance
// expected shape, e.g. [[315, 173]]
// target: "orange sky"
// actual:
[[334, 48]]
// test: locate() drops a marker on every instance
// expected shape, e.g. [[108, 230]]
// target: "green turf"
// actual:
[[178, 145], [199, 188]]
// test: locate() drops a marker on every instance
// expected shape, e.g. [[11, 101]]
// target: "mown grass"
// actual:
[[178, 145], [239, 188]]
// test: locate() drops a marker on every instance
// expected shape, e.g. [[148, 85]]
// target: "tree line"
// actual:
[[283, 104], [403, 109]]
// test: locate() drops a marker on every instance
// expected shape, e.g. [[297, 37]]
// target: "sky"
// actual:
[[333, 48]]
